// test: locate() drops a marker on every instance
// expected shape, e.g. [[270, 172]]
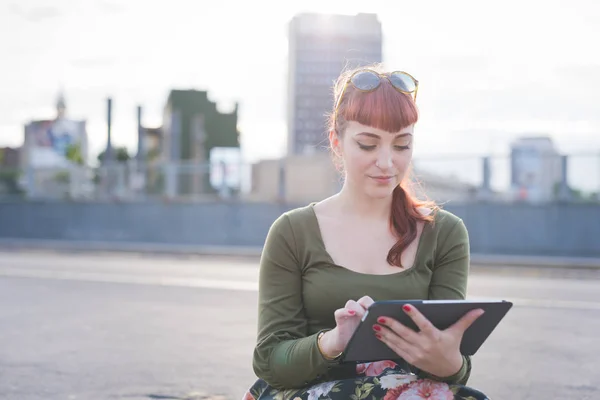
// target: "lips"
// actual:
[[382, 179]]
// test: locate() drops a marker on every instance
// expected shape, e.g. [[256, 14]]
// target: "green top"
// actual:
[[300, 287]]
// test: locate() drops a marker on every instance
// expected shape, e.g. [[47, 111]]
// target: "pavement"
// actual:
[[500, 260], [136, 326]]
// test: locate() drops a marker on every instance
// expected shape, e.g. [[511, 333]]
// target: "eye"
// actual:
[[365, 147], [402, 147], [402, 144]]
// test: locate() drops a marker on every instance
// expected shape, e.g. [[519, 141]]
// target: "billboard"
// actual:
[[47, 141]]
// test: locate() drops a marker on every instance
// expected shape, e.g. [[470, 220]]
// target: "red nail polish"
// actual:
[[378, 336], [381, 320], [406, 307], [376, 328], [351, 312]]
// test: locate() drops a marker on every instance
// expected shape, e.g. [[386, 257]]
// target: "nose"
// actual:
[[384, 159]]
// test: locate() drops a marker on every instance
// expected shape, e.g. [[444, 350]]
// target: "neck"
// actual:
[[352, 202]]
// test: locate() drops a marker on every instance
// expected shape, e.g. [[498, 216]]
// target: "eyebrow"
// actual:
[[373, 135]]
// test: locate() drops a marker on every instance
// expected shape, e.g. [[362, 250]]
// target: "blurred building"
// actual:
[[192, 128], [535, 169], [442, 188], [320, 47], [295, 179], [152, 138], [305, 178], [53, 156], [151, 174]]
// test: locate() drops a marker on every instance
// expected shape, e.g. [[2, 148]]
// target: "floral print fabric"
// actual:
[[382, 380]]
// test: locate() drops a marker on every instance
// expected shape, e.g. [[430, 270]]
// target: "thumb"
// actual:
[[466, 321], [366, 302]]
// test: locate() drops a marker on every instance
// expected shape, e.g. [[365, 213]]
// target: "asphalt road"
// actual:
[[117, 326]]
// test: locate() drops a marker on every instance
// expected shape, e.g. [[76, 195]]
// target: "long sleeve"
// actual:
[[449, 281], [451, 269], [284, 356]]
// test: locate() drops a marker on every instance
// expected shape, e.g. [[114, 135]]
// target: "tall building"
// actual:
[[320, 47], [193, 126], [536, 169]]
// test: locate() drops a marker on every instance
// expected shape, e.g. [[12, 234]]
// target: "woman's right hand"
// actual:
[[333, 342]]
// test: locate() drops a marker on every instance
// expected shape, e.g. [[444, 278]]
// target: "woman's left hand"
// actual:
[[431, 350]]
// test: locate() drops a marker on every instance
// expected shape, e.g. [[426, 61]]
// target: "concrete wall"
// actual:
[[559, 229]]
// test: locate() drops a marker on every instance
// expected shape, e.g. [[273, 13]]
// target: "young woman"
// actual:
[[324, 264]]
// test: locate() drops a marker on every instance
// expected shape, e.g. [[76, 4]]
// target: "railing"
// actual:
[[568, 178]]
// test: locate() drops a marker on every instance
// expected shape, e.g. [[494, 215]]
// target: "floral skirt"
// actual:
[[374, 381]]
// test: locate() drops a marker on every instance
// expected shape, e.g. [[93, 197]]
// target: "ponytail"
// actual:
[[403, 220]]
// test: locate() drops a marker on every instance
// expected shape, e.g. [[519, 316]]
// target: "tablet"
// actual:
[[365, 347]]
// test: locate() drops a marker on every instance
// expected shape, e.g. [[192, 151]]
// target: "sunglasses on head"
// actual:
[[367, 80]]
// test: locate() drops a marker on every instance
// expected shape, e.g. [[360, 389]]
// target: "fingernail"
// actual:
[[351, 312], [378, 336], [381, 320], [406, 307], [376, 328]]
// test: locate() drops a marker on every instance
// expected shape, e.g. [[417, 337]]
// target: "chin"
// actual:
[[381, 192]]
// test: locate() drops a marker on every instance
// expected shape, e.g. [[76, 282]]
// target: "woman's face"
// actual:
[[375, 161]]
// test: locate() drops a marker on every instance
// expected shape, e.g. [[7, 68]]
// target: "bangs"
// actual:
[[384, 108]]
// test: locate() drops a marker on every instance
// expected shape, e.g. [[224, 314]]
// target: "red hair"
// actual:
[[390, 110]]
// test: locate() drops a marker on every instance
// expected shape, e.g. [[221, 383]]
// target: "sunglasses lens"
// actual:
[[366, 80], [403, 82]]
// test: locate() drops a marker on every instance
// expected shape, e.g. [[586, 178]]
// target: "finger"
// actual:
[[365, 302], [398, 328], [352, 305], [396, 343], [342, 314], [419, 319], [466, 321]]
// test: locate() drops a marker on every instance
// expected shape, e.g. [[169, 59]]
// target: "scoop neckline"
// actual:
[[317, 226]]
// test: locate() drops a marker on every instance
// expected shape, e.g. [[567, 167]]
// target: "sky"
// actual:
[[488, 71]]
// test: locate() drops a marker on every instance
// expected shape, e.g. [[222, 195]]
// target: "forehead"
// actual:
[[356, 128]]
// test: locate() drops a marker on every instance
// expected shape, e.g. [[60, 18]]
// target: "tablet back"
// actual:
[[365, 347]]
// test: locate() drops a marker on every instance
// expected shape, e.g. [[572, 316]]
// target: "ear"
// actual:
[[334, 142]]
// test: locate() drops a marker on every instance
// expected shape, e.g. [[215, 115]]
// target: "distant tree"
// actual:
[[9, 182], [9, 177], [74, 154], [577, 195]]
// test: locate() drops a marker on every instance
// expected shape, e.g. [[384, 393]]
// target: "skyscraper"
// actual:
[[320, 47]]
